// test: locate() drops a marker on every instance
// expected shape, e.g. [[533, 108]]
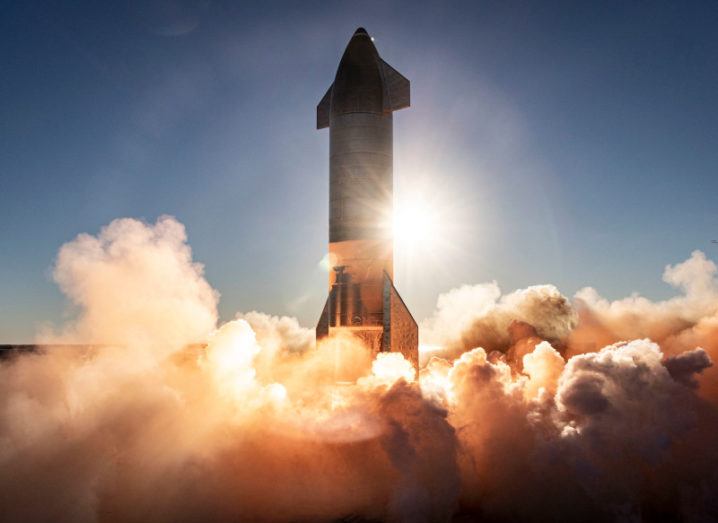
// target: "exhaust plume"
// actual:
[[530, 406]]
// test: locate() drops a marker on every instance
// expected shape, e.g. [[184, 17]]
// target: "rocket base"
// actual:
[[397, 331]]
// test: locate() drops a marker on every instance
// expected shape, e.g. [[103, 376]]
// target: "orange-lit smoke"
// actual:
[[530, 407]]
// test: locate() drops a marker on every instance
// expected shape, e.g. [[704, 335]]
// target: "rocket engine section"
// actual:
[[358, 109]]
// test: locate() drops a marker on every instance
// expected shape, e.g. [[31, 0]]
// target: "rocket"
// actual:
[[357, 108]]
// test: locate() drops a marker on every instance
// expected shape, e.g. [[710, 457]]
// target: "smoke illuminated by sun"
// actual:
[[527, 383]]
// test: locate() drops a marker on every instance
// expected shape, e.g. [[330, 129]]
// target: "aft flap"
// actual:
[[323, 109], [398, 89], [401, 333], [322, 330]]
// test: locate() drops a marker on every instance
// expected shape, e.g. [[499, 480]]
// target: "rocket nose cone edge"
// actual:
[[360, 31]]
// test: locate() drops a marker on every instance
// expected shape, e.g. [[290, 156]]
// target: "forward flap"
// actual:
[[323, 109], [398, 88]]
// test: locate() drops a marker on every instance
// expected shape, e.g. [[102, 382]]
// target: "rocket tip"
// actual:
[[360, 31]]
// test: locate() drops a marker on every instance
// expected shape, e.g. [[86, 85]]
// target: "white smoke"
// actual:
[[173, 418], [135, 285], [480, 316]]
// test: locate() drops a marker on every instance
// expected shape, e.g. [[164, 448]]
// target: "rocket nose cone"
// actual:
[[358, 85]]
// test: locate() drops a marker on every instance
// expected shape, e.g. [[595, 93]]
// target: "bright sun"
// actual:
[[416, 224]]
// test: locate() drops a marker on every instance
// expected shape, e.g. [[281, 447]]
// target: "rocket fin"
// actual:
[[398, 88], [323, 109], [401, 332], [322, 330]]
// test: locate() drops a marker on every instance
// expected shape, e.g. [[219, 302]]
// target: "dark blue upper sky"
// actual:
[[570, 143]]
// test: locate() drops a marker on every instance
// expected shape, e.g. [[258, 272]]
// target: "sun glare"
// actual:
[[416, 224], [423, 225]]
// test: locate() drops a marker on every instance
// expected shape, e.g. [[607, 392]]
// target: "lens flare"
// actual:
[[424, 226], [416, 223]]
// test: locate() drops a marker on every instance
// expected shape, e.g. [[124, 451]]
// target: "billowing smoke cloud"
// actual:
[[479, 316], [135, 285], [171, 418], [678, 324]]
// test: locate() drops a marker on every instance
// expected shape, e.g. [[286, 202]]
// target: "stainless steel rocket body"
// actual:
[[358, 108], [360, 176]]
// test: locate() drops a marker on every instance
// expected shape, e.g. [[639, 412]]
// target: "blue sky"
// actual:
[[565, 142]]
